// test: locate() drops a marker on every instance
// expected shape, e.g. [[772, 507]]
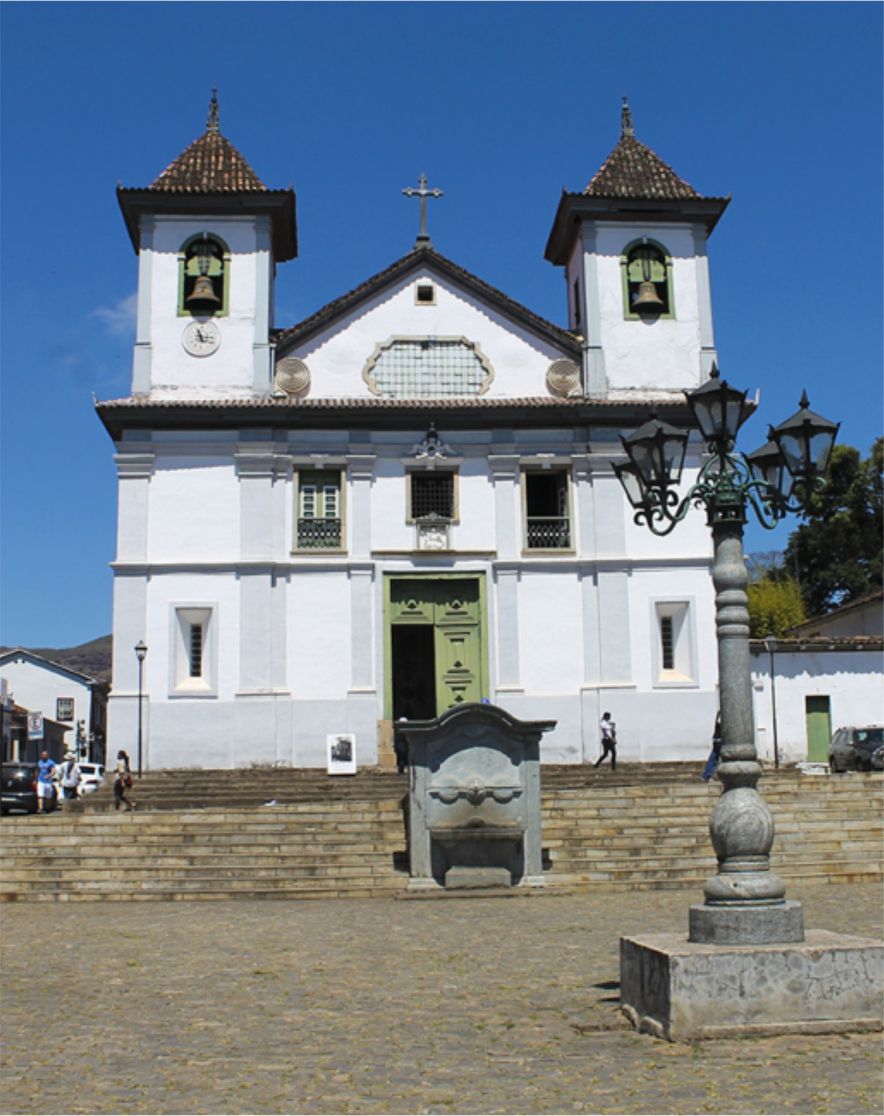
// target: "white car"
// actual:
[[91, 777]]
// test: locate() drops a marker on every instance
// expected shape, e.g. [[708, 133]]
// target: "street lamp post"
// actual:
[[744, 902], [770, 642], [140, 653]]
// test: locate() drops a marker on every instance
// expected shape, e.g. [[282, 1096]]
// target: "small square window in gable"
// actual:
[[425, 294]]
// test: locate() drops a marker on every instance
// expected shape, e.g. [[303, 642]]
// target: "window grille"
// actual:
[[196, 651], [667, 643], [428, 368], [432, 494]]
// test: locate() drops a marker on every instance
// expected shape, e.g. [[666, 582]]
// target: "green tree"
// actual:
[[775, 605], [837, 551]]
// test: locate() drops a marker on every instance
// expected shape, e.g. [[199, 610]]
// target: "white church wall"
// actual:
[[475, 527], [337, 356], [853, 681], [231, 368], [650, 355], [682, 592], [643, 354], [550, 631], [194, 509]]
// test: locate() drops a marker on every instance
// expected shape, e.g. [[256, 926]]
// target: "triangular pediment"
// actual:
[[426, 328], [424, 258]]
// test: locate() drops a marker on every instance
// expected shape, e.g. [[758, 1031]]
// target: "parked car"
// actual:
[[91, 777], [857, 748], [18, 788]]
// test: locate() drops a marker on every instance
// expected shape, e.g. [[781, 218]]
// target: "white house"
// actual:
[[75, 700], [405, 501], [810, 687]]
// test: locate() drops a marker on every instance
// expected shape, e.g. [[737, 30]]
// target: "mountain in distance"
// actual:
[[92, 658]]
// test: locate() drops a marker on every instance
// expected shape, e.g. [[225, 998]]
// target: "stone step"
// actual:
[[626, 835]]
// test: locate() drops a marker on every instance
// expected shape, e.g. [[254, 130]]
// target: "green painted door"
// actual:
[[819, 728], [452, 607], [458, 643]]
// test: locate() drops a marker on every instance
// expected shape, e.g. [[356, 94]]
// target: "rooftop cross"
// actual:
[[423, 237]]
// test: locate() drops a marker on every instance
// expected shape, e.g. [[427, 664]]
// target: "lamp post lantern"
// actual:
[[744, 902], [770, 642], [140, 654]]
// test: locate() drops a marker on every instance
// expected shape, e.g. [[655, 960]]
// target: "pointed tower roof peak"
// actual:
[[633, 184], [633, 170], [210, 177], [210, 165]]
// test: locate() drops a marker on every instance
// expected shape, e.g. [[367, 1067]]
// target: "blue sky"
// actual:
[[503, 105]]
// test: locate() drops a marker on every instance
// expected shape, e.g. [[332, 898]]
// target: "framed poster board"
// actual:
[[341, 751]]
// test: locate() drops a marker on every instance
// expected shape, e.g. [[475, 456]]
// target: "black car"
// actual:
[[857, 748], [18, 786]]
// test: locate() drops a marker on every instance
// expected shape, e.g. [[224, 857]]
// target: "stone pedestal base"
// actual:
[[458, 877], [731, 925], [677, 989]]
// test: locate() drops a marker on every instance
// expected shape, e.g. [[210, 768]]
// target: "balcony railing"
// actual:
[[548, 532], [319, 534]]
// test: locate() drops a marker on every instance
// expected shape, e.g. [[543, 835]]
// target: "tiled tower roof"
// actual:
[[210, 165], [633, 184], [211, 178], [633, 170]]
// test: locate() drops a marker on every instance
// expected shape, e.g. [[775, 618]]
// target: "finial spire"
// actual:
[[423, 237], [212, 124], [626, 128]]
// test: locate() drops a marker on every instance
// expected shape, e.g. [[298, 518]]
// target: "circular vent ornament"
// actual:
[[292, 376], [563, 379]]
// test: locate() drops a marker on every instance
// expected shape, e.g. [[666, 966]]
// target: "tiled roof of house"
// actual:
[[633, 170], [210, 165], [372, 402], [144, 411]]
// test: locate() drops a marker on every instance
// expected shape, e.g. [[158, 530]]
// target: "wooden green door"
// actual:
[[458, 643], [453, 608], [819, 728]]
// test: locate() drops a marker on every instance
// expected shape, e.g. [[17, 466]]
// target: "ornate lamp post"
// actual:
[[140, 653], [744, 902]]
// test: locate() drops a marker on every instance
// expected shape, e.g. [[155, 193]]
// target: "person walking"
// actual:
[[70, 777], [609, 741], [45, 783], [123, 781], [715, 754]]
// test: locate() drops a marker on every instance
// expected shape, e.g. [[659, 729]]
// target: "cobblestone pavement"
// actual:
[[380, 1006]]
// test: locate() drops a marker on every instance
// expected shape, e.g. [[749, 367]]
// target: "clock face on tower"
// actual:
[[201, 339]]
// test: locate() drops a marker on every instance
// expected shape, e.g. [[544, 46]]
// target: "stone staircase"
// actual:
[[213, 834]]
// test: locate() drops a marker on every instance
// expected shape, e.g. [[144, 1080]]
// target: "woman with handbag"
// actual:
[[123, 781]]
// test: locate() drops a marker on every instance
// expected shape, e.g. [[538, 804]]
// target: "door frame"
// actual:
[[473, 575]]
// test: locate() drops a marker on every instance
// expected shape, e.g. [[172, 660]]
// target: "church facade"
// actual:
[[405, 501]]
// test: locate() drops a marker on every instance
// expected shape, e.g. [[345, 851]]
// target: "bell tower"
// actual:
[[208, 235], [634, 248]]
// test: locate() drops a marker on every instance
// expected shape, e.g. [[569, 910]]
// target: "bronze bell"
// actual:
[[203, 293], [647, 298]]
